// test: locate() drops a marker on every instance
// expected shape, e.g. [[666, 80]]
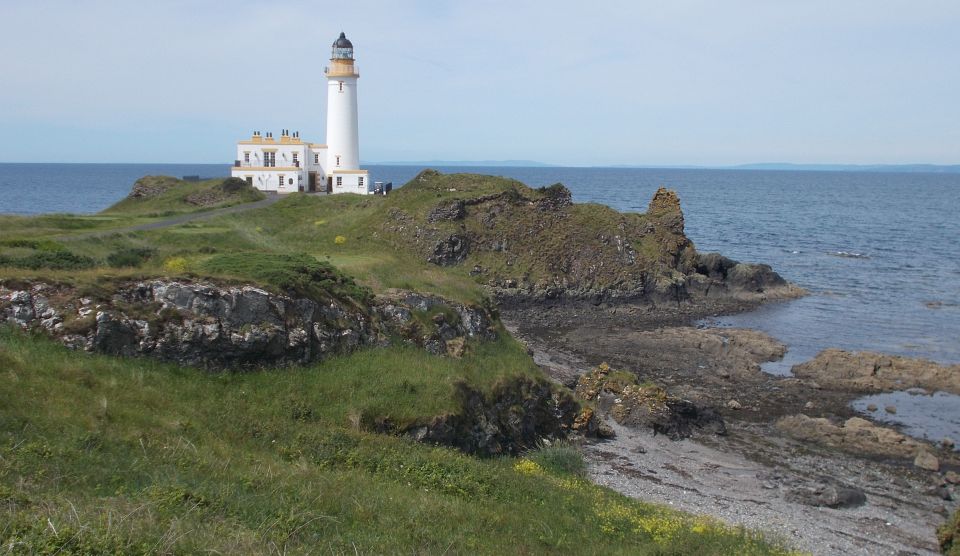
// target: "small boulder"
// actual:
[[828, 495], [872, 407], [952, 477], [891, 409], [947, 443], [926, 460], [940, 491], [734, 404], [808, 406]]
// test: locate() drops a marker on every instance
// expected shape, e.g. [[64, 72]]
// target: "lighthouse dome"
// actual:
[[342, 48], [342, 41]]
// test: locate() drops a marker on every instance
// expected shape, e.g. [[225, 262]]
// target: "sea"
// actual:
[[878, 252]]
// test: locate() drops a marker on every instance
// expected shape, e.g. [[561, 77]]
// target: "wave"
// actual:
[[848, 254]]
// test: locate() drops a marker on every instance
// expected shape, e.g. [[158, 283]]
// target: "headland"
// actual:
[[378, 336]]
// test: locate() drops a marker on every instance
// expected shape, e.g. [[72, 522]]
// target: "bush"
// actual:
[[233, 185], [559, 458], [293, 274], [949, 535], [176, 264], [130, 257], [37, 244], [52, 260]]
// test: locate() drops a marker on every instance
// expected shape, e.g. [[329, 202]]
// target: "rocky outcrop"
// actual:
[[454, 210], [450, 250], [529, 245], [855, 435], [152, 186], [726, 351], [434, 323], [226, 326], [631, 404], [516, 415], [876, 372], [719, 276]]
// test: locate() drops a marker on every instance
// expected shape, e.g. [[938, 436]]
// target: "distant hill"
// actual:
[[432, 163], [897, 168], [906, 168]]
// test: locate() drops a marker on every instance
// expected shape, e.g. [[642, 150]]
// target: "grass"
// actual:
[[101, 454], [373, 239], [170, 196]]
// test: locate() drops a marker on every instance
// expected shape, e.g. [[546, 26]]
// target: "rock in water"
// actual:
[[877, 372]]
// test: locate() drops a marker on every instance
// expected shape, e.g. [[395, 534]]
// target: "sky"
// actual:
[[698, 82]]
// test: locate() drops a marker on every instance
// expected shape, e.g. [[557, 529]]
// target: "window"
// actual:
[[269, 159], [316, 158], [250, 181], [280, 183], [339, 181], [246, 157], [338, 160], [290, 181], [341, 86], [296, 159], [360, 181]]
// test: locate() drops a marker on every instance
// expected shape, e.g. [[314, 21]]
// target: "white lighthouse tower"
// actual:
[[343, 138], [291, 164]]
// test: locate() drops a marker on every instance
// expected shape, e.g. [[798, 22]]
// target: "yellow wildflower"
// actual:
[[527, 467]]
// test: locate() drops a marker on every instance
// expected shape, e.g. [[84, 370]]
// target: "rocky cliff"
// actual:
[[219, 326], [530, 245]]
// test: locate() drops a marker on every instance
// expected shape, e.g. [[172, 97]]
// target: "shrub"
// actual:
[[949, 535], [559, 458], [295, 274], [130, 257], [233, 185], [340, 240], [52, 260], [37, 244], [176, 264]]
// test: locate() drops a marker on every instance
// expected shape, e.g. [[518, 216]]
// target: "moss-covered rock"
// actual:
[[629, 403], [529, 244]]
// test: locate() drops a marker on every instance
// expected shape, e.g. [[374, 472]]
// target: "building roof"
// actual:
[[342, 41]]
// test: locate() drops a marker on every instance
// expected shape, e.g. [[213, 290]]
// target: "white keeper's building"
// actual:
[[288, 164]]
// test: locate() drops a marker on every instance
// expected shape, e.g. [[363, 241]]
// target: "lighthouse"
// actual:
[[343, 137], [291, 164]]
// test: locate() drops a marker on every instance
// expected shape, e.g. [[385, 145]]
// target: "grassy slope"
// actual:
[[351, 233], [101, 454], [180, 196], [127, 212], [134, 455]]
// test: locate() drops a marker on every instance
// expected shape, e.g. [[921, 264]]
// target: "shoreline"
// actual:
[[757, 475]]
